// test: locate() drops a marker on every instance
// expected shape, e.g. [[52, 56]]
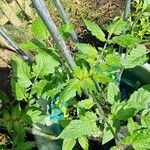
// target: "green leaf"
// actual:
[[19, 91], [140, 99], [113, 59], [33, 45], [83, 141], [112, 92], [127, 41], [107, 136], [102, 78], [146, 4], [21, 70], [87, 103], [132, 126], [73, 86], [117, 27], [45, 64], [38, 87], [36, 115], [16, 111], [95, 30], [87, 50], [78, 128], [138, 56], [39, 29], [89, 117], [81, 73], [19, 133], [68, 28], [68, 144], [145, 117], [87, 83], [114, 148], [121, 111], [139, 139], [25, 146]]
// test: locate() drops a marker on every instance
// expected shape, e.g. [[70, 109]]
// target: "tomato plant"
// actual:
[[82, 97]]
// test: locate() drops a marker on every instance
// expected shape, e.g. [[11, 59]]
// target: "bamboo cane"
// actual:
[[14, 45], [46, 17], [64, 17]]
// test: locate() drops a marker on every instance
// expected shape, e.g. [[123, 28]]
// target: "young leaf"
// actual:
[[70, 91], [121, 111], [68, 144], [139, 139], [113, 59], [87, 50], [132, 126], [112, 92], [21, 70], [138, 56], [107, 136], [40, 30], [146, 4], [102, 78], [83, 141], [19, 91], [38, 87], [145, 117], [78, 128], [33, 45], [127, 41], [95, 30], [87, 103], [45, 64], [139, 99], [36, 115], [117, 27], [19, 133]]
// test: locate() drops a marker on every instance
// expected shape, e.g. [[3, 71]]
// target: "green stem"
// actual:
[[102, 115], [39, 133]]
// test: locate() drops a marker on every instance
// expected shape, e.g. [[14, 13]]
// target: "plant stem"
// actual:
[[102, 115], [38, 132], [46, 17]]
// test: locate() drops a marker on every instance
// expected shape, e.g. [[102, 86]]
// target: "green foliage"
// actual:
[[138, 56], [45, 64], [39, 29], [83, 141], [95, 30], [21, 71], [79, 128], [86, 100], [117, 27], [127, 40], [87, 103], [88, 52], [112, 92], [68, 144]]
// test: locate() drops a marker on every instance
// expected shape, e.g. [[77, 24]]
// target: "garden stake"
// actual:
[[64, 17], [46, 17], [14, 45], [127, 12]]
